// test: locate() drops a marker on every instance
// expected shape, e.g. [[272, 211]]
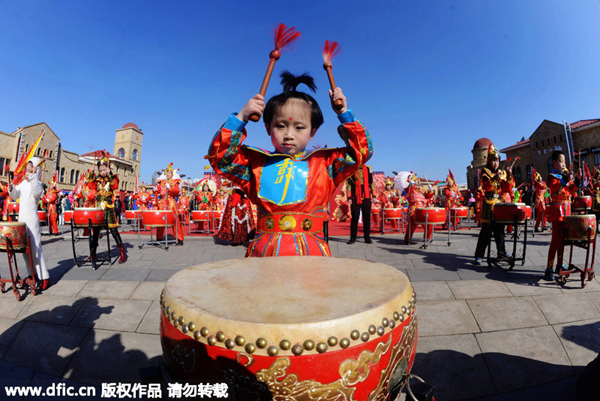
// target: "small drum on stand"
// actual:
[[457, 213], [154, 219], [42, 216], [376, 217], [207, 218], [393, 214], [136, 217], [582, 204], [515, 215], [12, 211], [15, 239], [580, 231], [353, 335], [88, 218], [68, 216], [429, 217]]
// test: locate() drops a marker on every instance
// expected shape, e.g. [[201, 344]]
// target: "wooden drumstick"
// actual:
[[329, 51], [283, 37]]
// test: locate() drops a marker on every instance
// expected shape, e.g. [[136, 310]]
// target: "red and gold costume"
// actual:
[[595, 184], [453, 196], [390, 198], [168, 191], [204, 199], [291, 193], [5, 199], [183, 205], [416, 197], [561, 190], [144, 198], [51, 198], [540, 187], [237, 223], [89, 190]]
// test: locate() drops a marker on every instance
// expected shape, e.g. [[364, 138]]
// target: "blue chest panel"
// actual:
[[284, 181]]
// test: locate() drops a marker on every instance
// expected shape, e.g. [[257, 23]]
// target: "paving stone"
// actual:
[[9, 328], [108, 289], [432, 291], [524, 357], [150, 324], [65, 287], [148, 291], [9, 306], [438, 318], [473, 289], [528, 287], [433, 274], [506, 313], [111, 314], [465, 375], [51, 309], [45, 347], [14, 375], [161, 275], [581, 341], [125, 275], [567, 308], [85, 273], [117, 357]]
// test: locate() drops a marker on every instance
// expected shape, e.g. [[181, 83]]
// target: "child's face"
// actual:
[[494, 163], [291, 130], [103, 169], [29, 167], [559, 164]]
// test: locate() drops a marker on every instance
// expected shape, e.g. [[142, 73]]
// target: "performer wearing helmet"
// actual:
[[168, 191], [105, 183], [540, 189], [416, 197], [51, 198]]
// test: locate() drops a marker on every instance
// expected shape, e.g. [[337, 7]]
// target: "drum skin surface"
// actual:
[[290, 328], [505, 212], [576, 227], [82, 216], [14, 233], [433, 215], [156, 218]]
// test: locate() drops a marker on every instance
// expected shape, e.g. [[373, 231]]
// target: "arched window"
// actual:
[[134, 155], [554, 139], [121, 153], [26, 148], [542, 143], [518, 175], [560, 137], [62, 175], [536, 144], [76, 176], [72, 176], [528, 171]]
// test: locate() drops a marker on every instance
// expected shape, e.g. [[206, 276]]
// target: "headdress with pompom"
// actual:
[[493, 152]]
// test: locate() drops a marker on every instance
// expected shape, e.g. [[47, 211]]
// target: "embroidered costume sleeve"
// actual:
[[561, 190]]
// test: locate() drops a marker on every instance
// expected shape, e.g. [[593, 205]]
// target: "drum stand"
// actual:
[[561, 275], [15, 278], [90, 238], [426, 241], [166, 240], [402, 219], [209, 221], [512, 259]]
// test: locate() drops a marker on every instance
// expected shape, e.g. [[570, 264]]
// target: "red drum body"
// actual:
[[577, 226], [205, 215], [299, 341], [12, 209], [505, 213], [13, 233], [461, 212], [68, 216], [83, 215], [157, 218], [582, 203], [431, 215], [132, 214], [393, 213], [42, 215]]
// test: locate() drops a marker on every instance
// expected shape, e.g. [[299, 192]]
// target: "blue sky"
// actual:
[[428, 78]]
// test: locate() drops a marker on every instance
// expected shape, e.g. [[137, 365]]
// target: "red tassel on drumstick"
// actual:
[[283, 37], [329, 51]]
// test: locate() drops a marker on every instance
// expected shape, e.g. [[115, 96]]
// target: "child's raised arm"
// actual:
[[256, 105], [334, 95]]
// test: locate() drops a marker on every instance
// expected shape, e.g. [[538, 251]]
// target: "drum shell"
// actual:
[[132, 214], [42, 215], [18, 235], [433, 215], [576, 227], [195, 353], [462, 212], [393, 213], [13, 207], [157, 218], [68, 216], [582, 203], [505, 212], [82, 216]]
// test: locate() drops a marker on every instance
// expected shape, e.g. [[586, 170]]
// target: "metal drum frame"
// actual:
[[587, 271], [76, 237], [426, 241], [403, 217], [515, 224], [15, 277], [137, 219], [210, 222], [166, 241]]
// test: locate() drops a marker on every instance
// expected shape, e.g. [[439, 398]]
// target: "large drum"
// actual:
[[506, 213], [460, 212], [576, 227], [311, 332], [430, 215], [68, 216], [13, 233], [132, 214], [582, 203], [393, 212], [83, 215], [12, 210], [42, 215], [158, 218]]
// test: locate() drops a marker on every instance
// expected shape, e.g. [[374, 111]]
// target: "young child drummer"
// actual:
[[562, 184], [290, 186]]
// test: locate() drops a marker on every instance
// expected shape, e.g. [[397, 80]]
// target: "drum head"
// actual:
[[295, 298]]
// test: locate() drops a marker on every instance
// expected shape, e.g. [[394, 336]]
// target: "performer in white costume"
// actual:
[[29, 192]]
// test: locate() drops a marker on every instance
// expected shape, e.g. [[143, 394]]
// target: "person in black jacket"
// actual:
[[360, 191]]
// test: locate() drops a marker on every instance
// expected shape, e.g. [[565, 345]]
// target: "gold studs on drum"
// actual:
[[309, 345], [239, 340], [272, 351], [332, 341], [344, 343], [321, 348], [250, 348], [261, 343], [285, 345]]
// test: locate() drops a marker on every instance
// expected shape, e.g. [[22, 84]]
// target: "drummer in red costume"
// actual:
[[105, 183], [493, 183], [416, 197], [168, 191], [390, 198], [51, 198], [595, 184], [562, 186], [5, 199], [453, 196], [290, 186], [539, 187]]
